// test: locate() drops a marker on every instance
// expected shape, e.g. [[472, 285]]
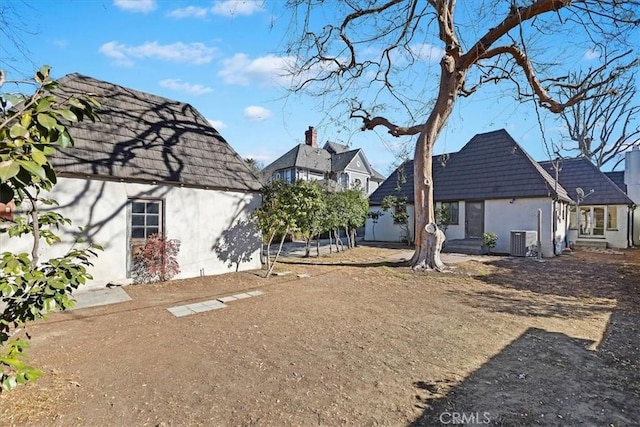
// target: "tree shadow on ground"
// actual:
[[549, 378], [545, 378]]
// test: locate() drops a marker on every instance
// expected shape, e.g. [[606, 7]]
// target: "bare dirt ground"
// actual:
[[362, 341]]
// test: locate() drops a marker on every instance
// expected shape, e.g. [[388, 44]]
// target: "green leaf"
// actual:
[[33, 168], [38, 157], [26, 120], [18, 131], [65, 140], [8, 170], [47, 121], [69, 115], [44, 104]]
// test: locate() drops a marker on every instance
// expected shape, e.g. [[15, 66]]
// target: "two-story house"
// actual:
[[333, 163]]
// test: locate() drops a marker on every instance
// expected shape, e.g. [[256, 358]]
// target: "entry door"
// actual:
[[474, 219]]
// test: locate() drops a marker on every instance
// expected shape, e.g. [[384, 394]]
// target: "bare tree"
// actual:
[[604, 127], [376, 52]]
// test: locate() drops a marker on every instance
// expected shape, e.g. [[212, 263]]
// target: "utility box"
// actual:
[[524, 243]]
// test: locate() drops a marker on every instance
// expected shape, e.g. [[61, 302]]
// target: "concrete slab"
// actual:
[[227, 299], [242, 296], [180, 311], [99, 296], [214, 304], [255, 293], [198, 307]]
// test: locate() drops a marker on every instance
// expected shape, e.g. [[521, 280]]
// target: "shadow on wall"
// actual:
[[541, 378], [238, 243]]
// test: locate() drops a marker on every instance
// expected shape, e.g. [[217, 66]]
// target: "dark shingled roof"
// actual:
[[146, 138], [302, 156], [618, 179], [582, 173], [490, 166], [335, 148], [341, 160]]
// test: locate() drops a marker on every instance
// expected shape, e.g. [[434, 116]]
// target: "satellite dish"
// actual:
[[580, 192]]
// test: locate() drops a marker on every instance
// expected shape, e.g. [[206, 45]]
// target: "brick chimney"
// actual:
[[310, 137]]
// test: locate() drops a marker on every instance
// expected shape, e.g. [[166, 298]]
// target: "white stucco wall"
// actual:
[[385, 230], [196, 217], [501, 217]]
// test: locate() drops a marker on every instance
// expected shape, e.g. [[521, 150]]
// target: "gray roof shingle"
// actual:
[[582, 173], [490, 166], [147, 138], [618, 179]]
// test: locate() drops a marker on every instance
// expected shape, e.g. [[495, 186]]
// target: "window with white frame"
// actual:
[[612, 217]]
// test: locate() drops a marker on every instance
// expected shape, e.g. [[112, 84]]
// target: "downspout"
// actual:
[[630, 231]]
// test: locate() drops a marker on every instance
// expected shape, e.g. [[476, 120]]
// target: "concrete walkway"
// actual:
[[99, 296]]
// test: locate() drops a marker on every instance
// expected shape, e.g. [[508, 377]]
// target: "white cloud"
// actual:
[[266, 70], [256, 114], [218, 124], [179, 85], [591, 54], [143, 6], [62, 44], [428, 52], [236, 7], [192, 53], [188, 12]]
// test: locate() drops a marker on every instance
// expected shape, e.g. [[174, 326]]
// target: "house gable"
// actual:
[[493, 166], [145, 138]]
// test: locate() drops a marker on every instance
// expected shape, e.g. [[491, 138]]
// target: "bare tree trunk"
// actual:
[[270, 270], [336, 234], [318, 244], [307, 246], [428, 238], [348, 237], [330, 243]]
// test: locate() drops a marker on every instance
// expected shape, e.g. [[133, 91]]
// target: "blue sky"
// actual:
[[224, 58]]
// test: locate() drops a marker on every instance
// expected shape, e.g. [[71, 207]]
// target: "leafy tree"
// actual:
[[356, 212], [275, 217], [310, 207], [373, 57], [332, 219], [32, 127]]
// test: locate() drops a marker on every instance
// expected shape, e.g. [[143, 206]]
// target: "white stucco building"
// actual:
[[151, 165], [493, 185]]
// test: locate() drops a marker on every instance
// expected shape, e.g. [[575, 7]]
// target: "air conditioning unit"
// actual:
[[524, 243]]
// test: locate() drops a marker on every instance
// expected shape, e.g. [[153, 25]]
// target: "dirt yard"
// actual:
[[363, 341]]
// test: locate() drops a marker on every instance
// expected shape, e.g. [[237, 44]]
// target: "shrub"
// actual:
[[489, 240], [157, 261]]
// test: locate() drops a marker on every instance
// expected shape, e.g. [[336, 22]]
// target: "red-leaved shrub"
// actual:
[[157, 261]]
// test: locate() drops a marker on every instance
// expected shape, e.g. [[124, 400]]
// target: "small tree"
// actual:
[[397, 207], [489, 240], [276, 217], [309, 209], [375, 217], [32, 127], [356, 212]]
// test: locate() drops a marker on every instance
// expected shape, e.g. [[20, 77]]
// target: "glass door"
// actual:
[[592, 221]]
